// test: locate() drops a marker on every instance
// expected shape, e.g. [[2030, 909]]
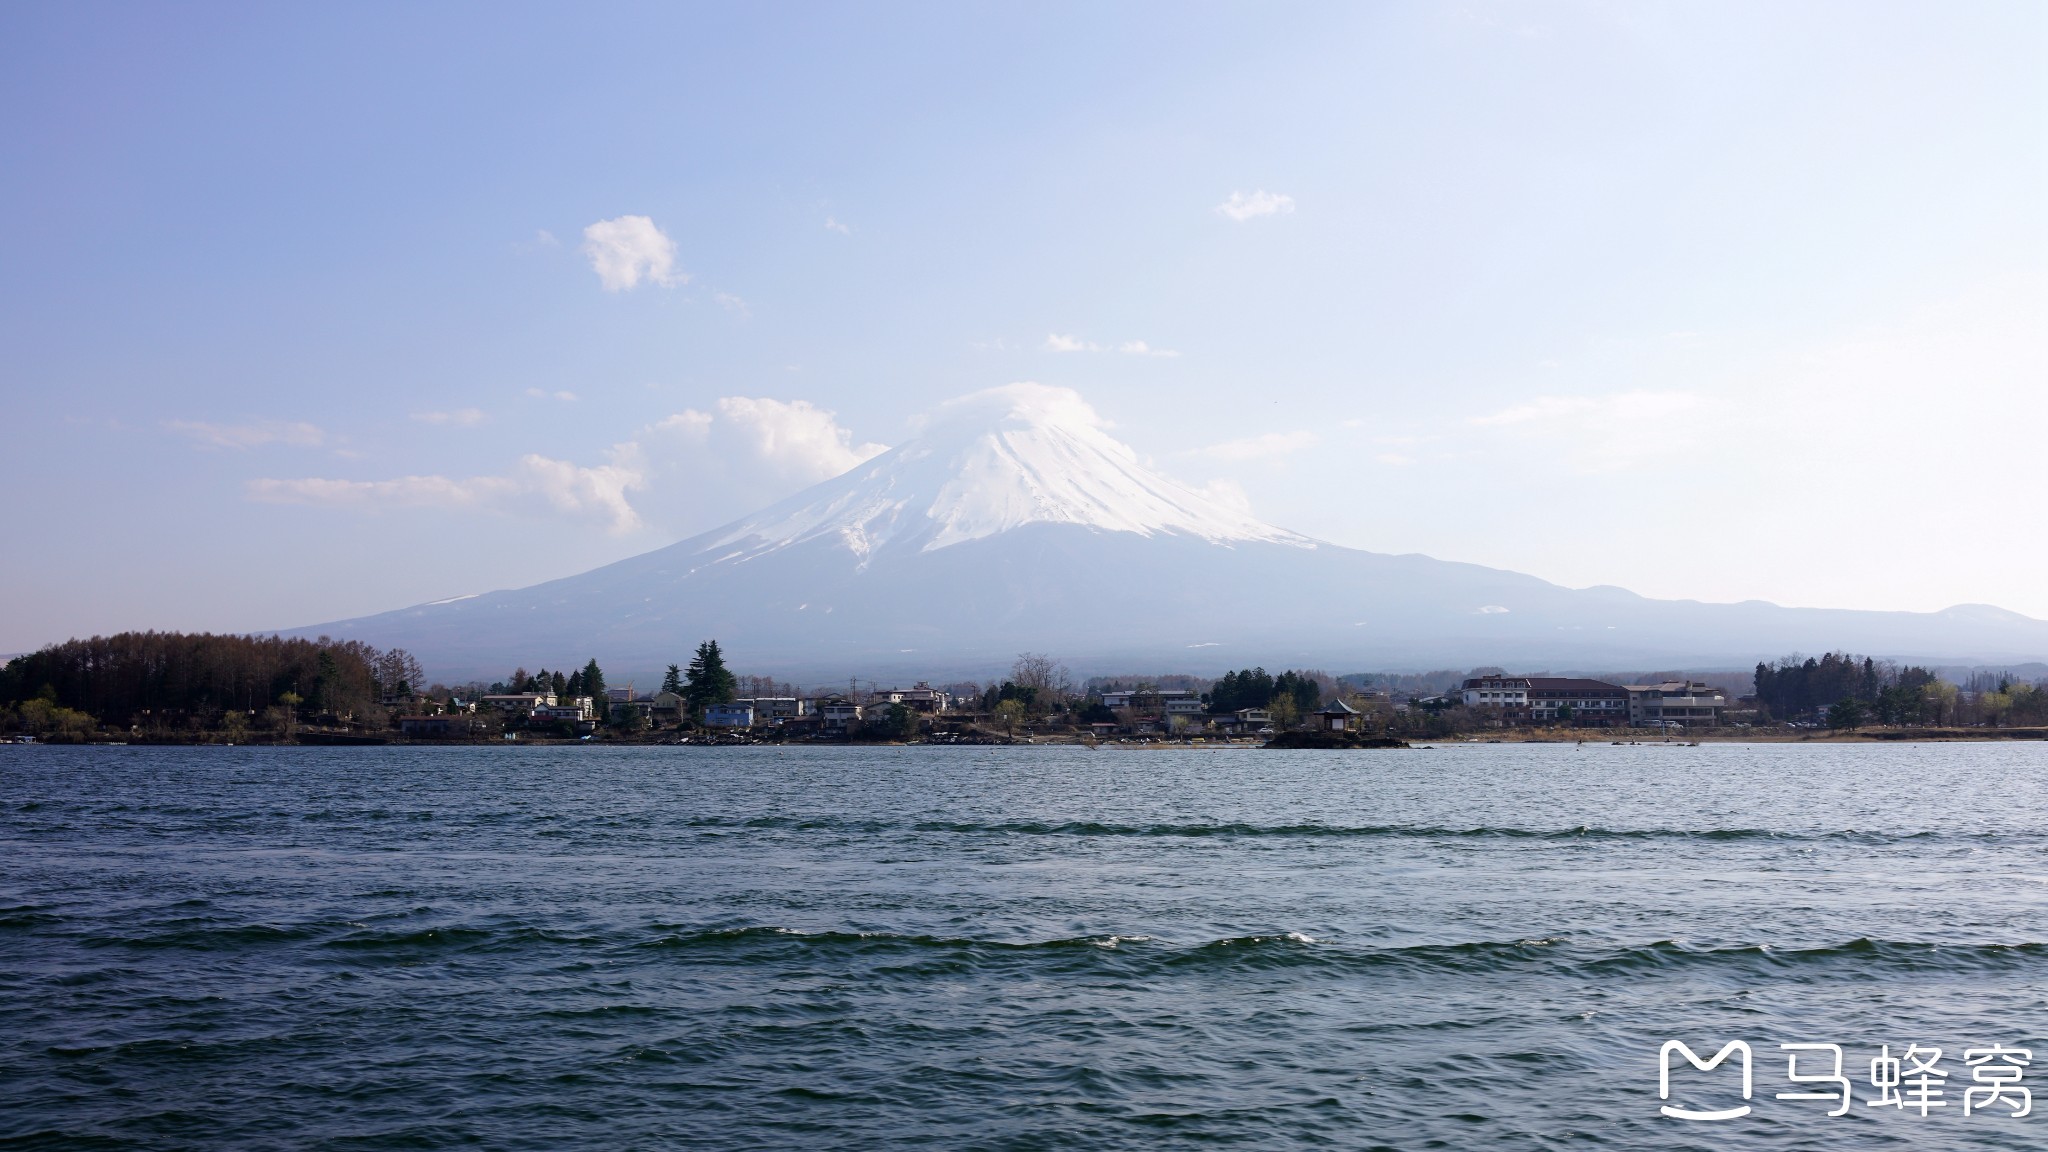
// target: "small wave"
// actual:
[[1863, 952], [1300, 950], [1245, 829], [28, 916]]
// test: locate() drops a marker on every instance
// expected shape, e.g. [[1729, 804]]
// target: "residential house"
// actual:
[[778, 709], [619, 703], [434, 727], [575, 710], [520, 703], [739, 714], [665, 708], [836, 713], [1245, 720], [1687, 702], [920, 697]]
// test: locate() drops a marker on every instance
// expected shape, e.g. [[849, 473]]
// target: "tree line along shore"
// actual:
[[177, 688]]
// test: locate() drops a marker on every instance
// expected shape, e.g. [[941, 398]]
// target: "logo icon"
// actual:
[[1693, 1058]]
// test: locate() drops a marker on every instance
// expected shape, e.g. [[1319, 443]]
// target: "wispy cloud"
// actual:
[[297, 434], [1140, 348], [1243, 206], [1228, 493], [463, 417], [536, 484], [563, 395], [747, 451], [1059, 342], [832, 224], [733, 304], [628, 249], [1271, 445]]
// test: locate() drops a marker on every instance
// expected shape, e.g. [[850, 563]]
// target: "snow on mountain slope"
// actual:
[[987, 464], [1013, 521]]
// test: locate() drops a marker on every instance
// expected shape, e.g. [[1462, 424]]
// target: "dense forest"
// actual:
[[1849, 691], [1256, 688], [164, 683], [120, 678]]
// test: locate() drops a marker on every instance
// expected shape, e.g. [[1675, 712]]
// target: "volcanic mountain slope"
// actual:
[[1013, 522]]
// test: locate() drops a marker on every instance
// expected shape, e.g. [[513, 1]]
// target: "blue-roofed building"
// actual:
[[729, 715]]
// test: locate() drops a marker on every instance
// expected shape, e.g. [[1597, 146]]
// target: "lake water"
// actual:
[[1024, 948]]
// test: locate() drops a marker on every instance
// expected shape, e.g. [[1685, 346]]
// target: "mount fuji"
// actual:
[[1013, 522]]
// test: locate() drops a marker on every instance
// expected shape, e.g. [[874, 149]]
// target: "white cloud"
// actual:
[[536, 485], [834, 225], [1228, 493], [1140, 348], [688, 422], [703, 468], [1055, 342], [1060, 342], [627, 249], [297, 434], [543, 394], [464, 417], [1241, 206], [732, 303], [1271, 445], [545, 238]]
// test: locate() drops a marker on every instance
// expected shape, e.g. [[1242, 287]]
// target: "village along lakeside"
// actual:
[[169, 688]]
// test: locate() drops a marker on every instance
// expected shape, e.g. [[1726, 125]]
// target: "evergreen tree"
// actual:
[[593, 684], [673, 682], [1302, 687], [707, 681]]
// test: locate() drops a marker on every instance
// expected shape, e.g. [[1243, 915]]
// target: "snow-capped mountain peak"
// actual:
[[988, 463]]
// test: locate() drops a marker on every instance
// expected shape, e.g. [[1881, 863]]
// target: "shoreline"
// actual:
[[1608, 737]]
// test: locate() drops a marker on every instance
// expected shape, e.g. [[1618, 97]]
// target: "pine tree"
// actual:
[[673, 682], [593, 683], [707, 681]]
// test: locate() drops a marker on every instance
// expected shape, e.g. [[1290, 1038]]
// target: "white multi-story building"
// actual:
[[1572, 699], [1172, 701], [1503, 692]]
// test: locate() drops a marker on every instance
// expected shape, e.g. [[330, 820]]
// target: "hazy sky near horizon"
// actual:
[[315, 311]]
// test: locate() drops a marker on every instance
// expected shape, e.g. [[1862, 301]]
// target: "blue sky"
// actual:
[[303, 319]]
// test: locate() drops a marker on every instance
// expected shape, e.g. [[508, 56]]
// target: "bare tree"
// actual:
[[1046, 675], [398, 673]]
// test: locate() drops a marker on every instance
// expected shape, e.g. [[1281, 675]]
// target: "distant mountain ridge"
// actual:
[[1013, 521]]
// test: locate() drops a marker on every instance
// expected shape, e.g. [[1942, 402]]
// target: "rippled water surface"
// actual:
[[1467, 947]]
